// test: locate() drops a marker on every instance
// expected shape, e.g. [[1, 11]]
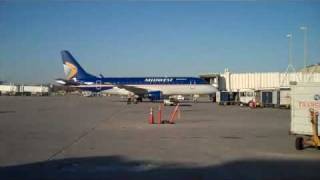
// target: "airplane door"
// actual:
[[98, 85]]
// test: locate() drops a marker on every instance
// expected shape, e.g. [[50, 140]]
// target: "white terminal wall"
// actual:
[[264, 80], [34, 89], [8, 88]]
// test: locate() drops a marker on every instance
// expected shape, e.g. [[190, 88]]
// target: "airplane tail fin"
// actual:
[[72, 68]]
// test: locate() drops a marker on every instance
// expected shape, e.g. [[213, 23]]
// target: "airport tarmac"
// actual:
[[75, 137]]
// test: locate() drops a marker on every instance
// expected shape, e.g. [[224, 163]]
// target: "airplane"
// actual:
[[153, 88]]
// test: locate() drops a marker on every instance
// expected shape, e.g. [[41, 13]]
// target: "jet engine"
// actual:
[[155, 95]]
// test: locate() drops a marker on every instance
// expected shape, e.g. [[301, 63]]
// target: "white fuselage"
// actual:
[[168, 89]]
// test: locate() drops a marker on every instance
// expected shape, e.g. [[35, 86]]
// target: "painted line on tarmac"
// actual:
[[85, 134]]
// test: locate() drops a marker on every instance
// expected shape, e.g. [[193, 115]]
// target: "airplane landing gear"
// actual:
[[129, 100], [139, 99], [134, 99]]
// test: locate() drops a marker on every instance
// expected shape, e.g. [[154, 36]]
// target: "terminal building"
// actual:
[[264, 88], [22, 89], [233, 82]]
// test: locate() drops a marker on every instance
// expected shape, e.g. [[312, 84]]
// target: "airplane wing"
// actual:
[[135, 90], [66, 82]]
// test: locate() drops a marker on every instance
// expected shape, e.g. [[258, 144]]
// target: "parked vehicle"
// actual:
[[305, 110], [178, 97], [170, 102], [247, 95]]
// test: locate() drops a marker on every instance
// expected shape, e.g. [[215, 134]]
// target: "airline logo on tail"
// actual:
[[70, 70]]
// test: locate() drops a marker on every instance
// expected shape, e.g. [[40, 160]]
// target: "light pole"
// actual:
[[305, 45], [289, 36], [290, 69]]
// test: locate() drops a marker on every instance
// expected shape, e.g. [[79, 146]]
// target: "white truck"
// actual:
[[246, 96], [170, 102], [8, 89], [305, 107]]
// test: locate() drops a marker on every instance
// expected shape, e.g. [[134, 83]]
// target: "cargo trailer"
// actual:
[[266, 98], [226, 98], [269, 98], [285, 97], [305, 107]]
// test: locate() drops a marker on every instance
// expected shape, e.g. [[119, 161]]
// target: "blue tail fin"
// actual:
[[72, 68]]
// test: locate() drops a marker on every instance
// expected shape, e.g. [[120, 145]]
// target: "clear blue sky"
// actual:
[[153, 38]]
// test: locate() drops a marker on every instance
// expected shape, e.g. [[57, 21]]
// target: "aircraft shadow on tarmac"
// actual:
[[181, 104], [5, 112], [117, 167]]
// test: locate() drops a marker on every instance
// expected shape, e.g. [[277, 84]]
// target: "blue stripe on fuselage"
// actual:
[[96, 88], [147, 80]]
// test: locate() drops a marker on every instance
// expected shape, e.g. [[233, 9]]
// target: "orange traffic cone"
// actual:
[[160, 114], [174, 114], [151, 118], [179, 114]]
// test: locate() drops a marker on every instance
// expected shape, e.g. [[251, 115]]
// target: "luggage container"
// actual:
[[276, 98], [285, 97], [305, 107], [269, 98], [266, 98], [226, 97]]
